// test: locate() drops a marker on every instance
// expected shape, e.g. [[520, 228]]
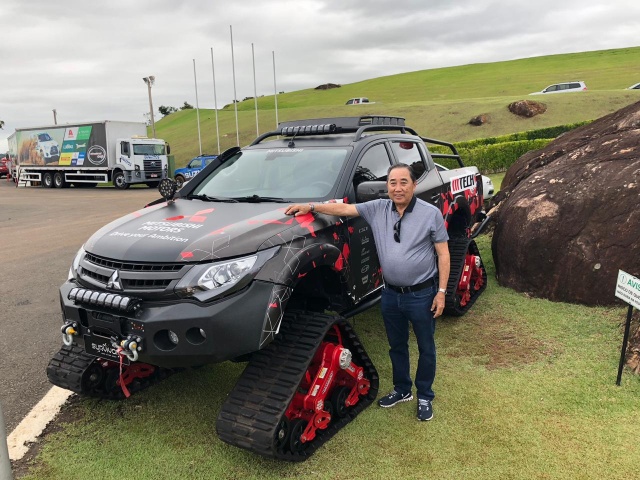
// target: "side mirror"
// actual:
[[168, 188], [366, 191], [168, 149]]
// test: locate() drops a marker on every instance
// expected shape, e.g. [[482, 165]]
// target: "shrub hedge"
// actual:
[[497, 154]]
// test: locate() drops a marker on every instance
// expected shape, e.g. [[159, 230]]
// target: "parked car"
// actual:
[[565, 87], [635, 86], [196, 164], [4, 167], [358, 101], [487, 185]]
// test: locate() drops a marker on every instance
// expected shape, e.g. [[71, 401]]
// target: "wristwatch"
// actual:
[[312, 207], [442, 290]]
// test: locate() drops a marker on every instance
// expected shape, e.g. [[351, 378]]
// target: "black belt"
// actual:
[[412, 288]]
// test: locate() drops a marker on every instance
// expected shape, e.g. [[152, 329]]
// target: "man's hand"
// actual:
[[438, 305], [301, 209]]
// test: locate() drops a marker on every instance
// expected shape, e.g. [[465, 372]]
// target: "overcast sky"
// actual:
[[86, 59]]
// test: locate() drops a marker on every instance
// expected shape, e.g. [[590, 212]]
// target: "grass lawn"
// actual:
[[525, 390]]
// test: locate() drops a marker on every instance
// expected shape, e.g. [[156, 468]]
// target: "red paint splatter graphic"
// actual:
[[186, 255]]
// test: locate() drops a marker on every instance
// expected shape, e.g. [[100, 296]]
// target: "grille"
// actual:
[[140, 277], [153, 165], [133, 267]]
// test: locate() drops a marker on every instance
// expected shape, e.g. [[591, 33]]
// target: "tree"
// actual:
[[164, 110], [186, 106]]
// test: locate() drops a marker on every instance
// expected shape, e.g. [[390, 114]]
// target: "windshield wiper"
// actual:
[[207, 198], [258, 199]]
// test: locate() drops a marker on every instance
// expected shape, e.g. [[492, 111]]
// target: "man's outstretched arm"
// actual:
[[338, 209]]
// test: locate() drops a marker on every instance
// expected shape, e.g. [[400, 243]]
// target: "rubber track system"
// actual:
[[458, 248], [254, 408], [73, 369]]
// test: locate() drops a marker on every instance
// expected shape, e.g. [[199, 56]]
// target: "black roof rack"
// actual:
[[328, 126]]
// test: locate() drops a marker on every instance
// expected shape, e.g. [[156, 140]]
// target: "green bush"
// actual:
[[497, 154]]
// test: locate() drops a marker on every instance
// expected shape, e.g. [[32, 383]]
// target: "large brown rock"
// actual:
[[527, 108], [568, 215]]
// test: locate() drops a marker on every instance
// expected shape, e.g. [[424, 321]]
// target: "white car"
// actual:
[[358, 101], [487, 185], [635, 86], [564, 87]]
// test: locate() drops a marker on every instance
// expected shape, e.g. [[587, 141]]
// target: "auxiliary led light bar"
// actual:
[[309, 129], [106, 300]]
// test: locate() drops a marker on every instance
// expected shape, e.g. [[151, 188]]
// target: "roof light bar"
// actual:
[[102, 299], [309, 129]]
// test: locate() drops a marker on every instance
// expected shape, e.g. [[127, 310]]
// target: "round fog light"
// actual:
[[196, 335], [173, 336]]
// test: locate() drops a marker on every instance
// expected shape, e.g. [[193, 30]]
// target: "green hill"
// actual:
[[437, 102]]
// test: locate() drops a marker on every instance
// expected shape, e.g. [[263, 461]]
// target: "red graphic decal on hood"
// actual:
[[186, 255], [306, 221], [198, 217]]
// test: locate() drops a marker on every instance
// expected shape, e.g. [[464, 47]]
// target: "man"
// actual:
[[408, 233]]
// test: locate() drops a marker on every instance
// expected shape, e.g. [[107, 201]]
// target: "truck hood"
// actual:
[[192, 231]]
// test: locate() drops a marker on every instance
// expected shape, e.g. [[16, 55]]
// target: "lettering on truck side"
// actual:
[[463, 182]]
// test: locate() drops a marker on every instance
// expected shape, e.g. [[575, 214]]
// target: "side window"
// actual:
[[124, 148], [552, 88], [409, 153], [373, 165]]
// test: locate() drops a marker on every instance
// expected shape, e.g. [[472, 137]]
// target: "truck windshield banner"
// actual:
[[81, 146]]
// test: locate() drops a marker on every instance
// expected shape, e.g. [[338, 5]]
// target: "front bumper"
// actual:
[[206, 332]]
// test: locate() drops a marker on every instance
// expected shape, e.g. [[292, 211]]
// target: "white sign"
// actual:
[[628, 289]]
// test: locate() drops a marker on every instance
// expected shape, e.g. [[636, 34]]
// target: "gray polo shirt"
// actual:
[[413, 259]]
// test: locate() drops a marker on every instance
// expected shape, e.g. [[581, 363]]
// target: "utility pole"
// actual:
[[149, 81], [55, 119]]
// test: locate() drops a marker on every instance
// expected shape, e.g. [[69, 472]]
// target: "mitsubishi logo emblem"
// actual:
[[114, 281]]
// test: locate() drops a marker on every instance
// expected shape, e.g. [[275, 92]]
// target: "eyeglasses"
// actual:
[[396, 230]]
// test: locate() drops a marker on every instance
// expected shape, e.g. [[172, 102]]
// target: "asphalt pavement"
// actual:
[[41, 229]]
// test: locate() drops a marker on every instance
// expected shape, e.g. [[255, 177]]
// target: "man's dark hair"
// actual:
[[403, 165]]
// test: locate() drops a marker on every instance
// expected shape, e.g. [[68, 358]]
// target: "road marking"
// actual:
[[30, 428]]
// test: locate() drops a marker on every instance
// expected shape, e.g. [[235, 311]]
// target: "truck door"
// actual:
[[365, 274]]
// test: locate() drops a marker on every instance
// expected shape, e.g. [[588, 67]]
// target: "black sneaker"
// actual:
[[425, 410], [394, 397]]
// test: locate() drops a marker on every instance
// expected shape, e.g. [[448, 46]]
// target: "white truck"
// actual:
[[85, 154]]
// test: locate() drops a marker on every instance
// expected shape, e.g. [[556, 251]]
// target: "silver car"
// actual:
[[565, 87]]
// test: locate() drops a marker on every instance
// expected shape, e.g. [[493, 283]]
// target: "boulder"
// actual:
[[480, 120], [568, 216], [527, 108], [327, 86]]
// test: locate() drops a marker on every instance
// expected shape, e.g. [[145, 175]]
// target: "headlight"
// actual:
[[207, 281], [226, 273], [75, 265]]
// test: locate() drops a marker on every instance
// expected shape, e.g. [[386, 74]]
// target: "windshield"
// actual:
[[44, 137], [148, 149], [288, 173]]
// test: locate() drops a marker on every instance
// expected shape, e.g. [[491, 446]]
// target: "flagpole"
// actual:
[[275, 90], [235, 96], [255, 92], [215, 99], [197, 105]]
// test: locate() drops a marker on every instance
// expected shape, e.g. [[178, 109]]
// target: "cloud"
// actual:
[[87, 59]]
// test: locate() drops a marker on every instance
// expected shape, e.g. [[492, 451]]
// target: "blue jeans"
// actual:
[[398, 309]]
